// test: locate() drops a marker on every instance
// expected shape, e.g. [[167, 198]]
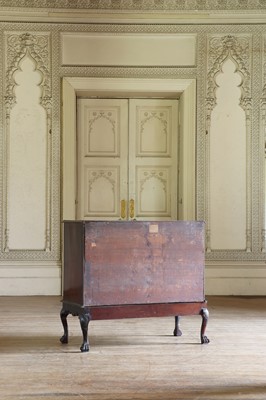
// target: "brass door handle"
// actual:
[[131, 208], [123, 212]]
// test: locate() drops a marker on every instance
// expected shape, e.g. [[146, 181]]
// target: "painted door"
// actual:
[[127, 165]]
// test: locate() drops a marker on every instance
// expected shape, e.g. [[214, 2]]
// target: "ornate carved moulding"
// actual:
[[136, 5]]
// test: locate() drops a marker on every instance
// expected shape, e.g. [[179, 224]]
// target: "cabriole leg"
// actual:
[[84, 320], [63, 315], [205, 316], [177, 331]]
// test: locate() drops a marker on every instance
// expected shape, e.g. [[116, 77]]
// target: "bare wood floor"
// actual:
[[136, 359]]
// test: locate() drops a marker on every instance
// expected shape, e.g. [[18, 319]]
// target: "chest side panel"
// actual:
[[73, 262]]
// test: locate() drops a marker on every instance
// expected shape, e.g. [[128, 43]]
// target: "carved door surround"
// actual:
[[183, 89]]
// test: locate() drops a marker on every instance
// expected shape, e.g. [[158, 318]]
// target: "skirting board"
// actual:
[[235, 278], [30, 278]]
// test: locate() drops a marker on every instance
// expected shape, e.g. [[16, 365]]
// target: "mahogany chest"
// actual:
[[133, 269]]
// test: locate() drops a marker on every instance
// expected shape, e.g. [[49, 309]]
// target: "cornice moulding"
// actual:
[[129, 17], [140, 5]]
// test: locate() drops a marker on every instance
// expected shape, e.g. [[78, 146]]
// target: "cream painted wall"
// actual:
[[30, 254], [228, 178], [139, 49], [218, 74], [27, 168]]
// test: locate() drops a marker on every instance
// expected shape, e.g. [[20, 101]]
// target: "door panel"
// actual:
[[152, 192], [127, 159], [102, 158], [153, 158]]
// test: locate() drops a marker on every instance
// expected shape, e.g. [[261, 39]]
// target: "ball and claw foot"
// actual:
[[177, 332], [64, 339], [204, 340], [84, 347]]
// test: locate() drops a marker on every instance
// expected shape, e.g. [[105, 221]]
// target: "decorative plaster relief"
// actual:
[[237, 49], [135, 5], [27, 57], [263, 127]]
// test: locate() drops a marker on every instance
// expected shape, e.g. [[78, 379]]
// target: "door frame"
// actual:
[[182, 89]]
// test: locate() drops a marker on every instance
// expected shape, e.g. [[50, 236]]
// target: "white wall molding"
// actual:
[[164, 12]]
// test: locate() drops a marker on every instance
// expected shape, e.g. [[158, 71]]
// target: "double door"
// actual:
[[127, 159]]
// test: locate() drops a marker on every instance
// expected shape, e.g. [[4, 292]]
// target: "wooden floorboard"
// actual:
[[136, 359]]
